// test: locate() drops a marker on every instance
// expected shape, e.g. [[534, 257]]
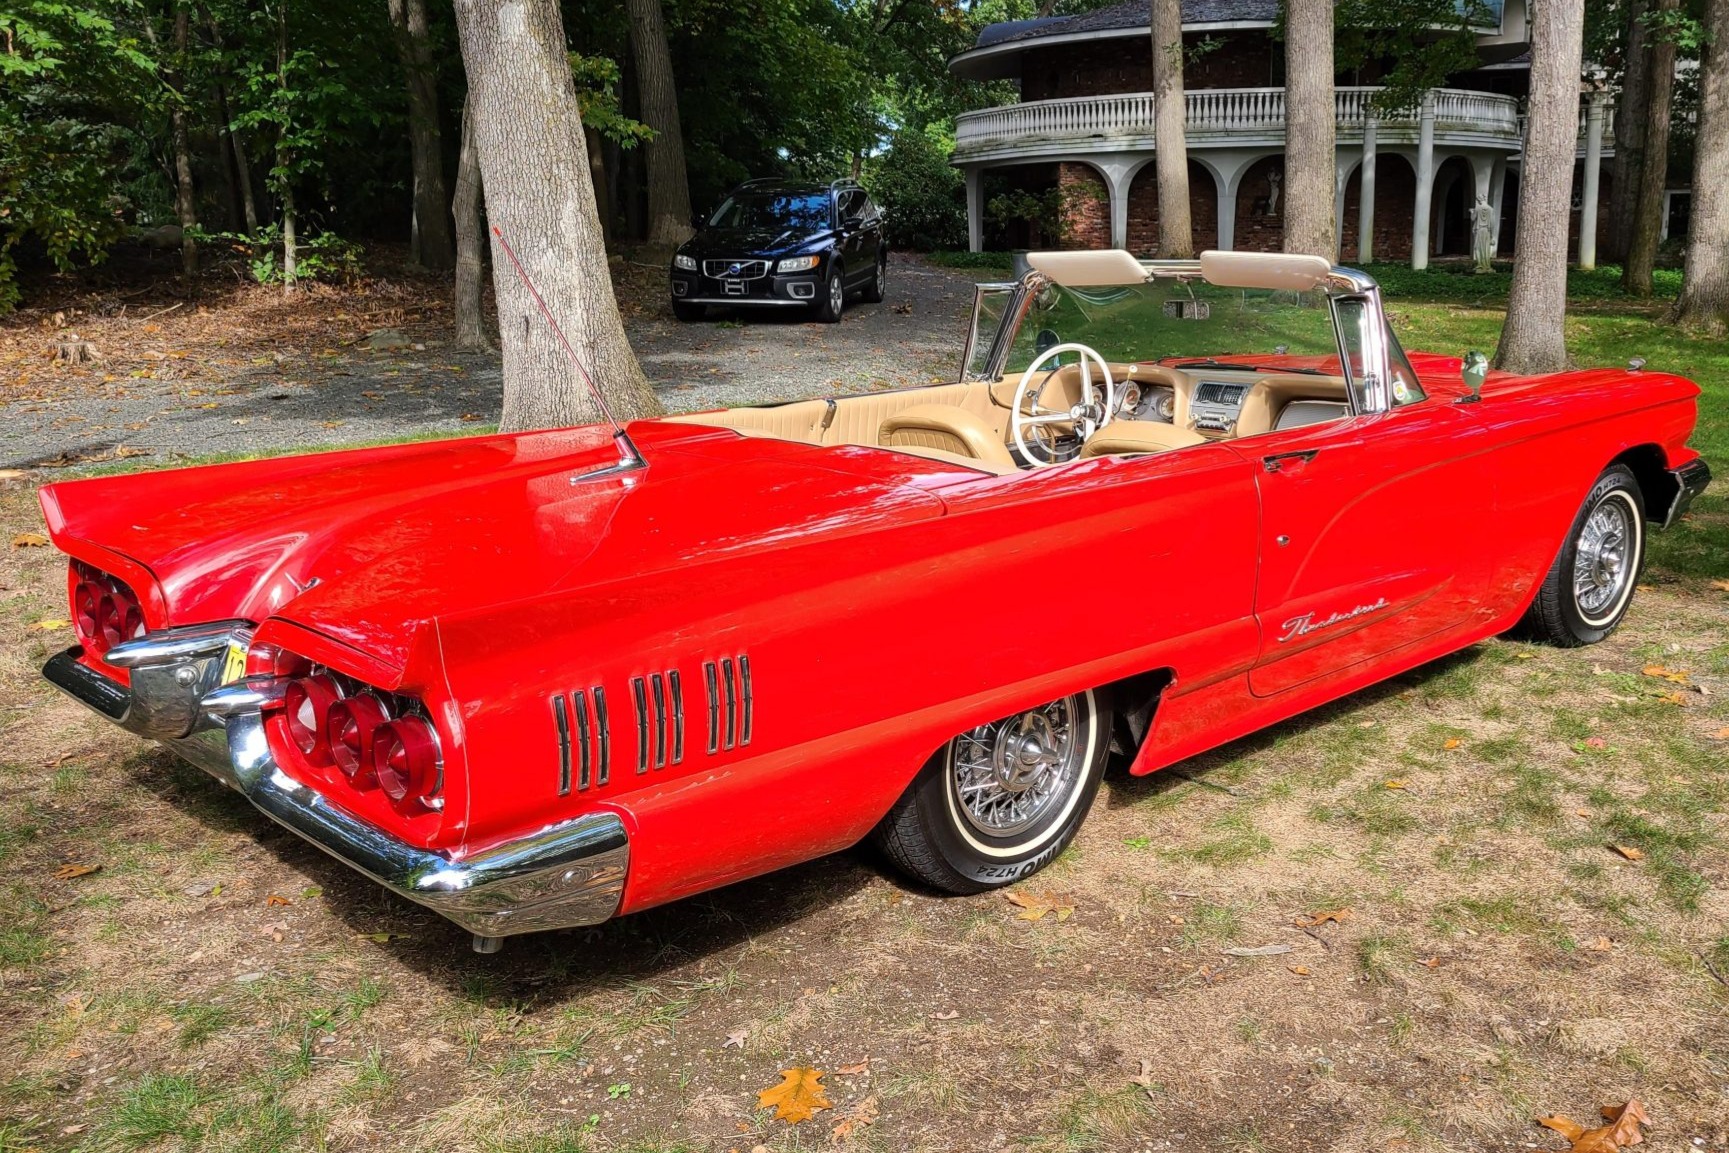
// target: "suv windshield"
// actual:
[[784, 211]]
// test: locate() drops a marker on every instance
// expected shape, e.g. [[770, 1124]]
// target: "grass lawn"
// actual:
[[1524, 852]]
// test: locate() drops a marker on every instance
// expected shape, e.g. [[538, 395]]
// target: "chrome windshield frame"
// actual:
[[1373, 394]]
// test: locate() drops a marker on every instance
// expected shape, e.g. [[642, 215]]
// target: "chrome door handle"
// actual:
[[1278, 460]]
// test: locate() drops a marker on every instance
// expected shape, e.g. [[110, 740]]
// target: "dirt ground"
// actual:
[[240, 369], [1493, 956]]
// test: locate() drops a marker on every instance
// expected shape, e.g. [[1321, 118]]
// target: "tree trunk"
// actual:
[[465, 209], [1309, 129], [668, 188], [1629, 135], [1534, 337], [430, 243], [1704, 302], [533, 161], [285, 162], [602, 185], [1654, 165], [241, 204], [185, 195], [1170, 152]]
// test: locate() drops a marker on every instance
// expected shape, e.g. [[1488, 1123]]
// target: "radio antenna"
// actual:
[[628, 456]]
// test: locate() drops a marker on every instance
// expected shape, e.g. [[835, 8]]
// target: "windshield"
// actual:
[[1184, 323], [780, 211]]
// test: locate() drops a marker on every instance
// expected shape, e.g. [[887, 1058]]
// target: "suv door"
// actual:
[[857, 252]]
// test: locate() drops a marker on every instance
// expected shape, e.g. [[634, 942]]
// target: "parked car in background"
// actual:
[[534, 680], [784, 244]]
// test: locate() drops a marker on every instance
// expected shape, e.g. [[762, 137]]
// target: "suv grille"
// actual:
[[735, 269]]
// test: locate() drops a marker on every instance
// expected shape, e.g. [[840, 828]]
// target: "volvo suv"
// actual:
[[783, 244]]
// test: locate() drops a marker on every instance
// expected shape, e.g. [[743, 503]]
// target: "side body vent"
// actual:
[[731, 705], [659, 700], [584, 739]]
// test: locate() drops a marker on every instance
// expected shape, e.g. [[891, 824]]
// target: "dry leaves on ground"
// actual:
[[1629, 852], [67, 872], [1720, 586], [860, 1115], [1337, 916], [1452, 743], [1034, 906], [798, 1096], [1622, 1130], [1662, 672], [29, 540], [1721, 734]]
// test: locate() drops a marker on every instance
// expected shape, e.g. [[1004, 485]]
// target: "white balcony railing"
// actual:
[[1215, 117]]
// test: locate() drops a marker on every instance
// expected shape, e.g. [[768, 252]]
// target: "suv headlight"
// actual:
[[688, 263], [798, 264]]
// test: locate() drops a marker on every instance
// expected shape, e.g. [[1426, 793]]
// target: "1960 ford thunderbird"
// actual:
[[535, 681]]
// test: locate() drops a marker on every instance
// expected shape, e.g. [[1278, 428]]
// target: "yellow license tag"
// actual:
[[234, 663]]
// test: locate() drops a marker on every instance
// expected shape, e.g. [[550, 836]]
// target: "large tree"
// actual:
[[1704, 299], [465, 210], [1310, 119], [1171, 154], [1629, 157], [431, 244], [534, 164], [668, 187], [1653, 171], [1534, 336]]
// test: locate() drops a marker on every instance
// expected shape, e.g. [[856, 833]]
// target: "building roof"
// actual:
[[995, 53]]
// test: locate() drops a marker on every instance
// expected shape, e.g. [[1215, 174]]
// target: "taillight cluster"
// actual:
[[104, 610], [366, 736]]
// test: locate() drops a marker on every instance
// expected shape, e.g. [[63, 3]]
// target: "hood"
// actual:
[[365, 547], [718, 242]]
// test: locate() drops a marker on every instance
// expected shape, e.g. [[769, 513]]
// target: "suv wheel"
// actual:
[[833, 300], [879, 284], [686, 311]]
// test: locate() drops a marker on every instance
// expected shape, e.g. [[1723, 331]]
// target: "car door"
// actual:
[[1371, 538], [855, 259]]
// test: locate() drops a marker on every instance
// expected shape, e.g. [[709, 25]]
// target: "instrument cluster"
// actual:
[[1147, 402]]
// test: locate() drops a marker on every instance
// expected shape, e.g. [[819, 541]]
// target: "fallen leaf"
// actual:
[[276, 930], [1299, 970], [1337, 916], [50, 624], [1629, 852], [1721, 586], [1672, 698], [1600, 944], [798, 1096], [1256, 951], [1034, 906], [1721, 734], [860, 1115], [1394, 785], [29, 540], [854, 1070], [1451, 743], [1677, 676], [67, 872], [1596, 743], [948, 1016], [1430, 962], [735, 1039], [1622, 1130], [273, 900], [1145, 1079]]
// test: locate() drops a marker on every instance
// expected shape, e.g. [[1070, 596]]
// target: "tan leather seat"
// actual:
[[1122, 437], [946, 427]]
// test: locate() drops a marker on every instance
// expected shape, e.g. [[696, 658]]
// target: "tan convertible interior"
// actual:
[[968, 423]]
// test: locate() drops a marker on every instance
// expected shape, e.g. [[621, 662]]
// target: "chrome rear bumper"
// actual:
[[563, 876], [1691, 479]]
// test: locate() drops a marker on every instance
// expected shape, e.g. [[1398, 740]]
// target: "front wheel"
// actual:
[[684, 311], [1000, 801], [1588, 588], [833, 300]]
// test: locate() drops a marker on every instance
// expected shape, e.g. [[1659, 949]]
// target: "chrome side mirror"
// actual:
[[1474, 370]]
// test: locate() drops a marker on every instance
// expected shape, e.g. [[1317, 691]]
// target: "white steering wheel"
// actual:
[[1033, 425]]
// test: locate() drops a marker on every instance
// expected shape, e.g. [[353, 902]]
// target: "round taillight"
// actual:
[[405, 762], [306, 706], [87, 608], [119, 617], [353, 722], [275, 661]]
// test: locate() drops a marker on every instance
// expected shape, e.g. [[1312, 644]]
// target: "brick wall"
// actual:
[[1395, 209], [1086, 207], [1246, 60]]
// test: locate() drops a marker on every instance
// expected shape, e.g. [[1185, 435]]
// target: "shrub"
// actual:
[[924, 198]]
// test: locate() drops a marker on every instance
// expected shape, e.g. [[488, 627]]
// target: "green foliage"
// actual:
[[325, 257], [1042, 211], [1426, 41], [923, 195], [596, 79]]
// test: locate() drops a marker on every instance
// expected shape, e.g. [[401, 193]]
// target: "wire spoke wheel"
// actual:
[[1600, 559], [1009, 774]]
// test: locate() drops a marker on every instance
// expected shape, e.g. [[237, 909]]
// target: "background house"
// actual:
[[1406, 180]]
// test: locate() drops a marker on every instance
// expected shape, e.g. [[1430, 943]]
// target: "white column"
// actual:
[[1593, 173], [1425, 183], [1118, 182], [975, 209], [1366, 195], [1226, 188], [1498, 198]]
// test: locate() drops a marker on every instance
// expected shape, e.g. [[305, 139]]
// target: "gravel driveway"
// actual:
[[177, 403]]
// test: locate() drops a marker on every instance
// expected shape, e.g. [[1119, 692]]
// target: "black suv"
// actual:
[[779, 243]]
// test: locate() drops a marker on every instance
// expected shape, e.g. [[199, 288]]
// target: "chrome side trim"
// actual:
[[580, 697], [562, 721], [677, 716], [731, 703], [657, 689], [639, 693], [251, 695], [708, 675], [749, 703], [602, 736]]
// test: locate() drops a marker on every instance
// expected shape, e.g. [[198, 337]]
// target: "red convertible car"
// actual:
[[532, 685]]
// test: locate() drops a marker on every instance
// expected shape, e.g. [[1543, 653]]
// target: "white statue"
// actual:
[[1273, 179], [1483, 234]]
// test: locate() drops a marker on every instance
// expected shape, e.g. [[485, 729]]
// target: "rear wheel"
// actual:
[[832, 302], [1000, 801], [1588, 588], [879, 285]]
